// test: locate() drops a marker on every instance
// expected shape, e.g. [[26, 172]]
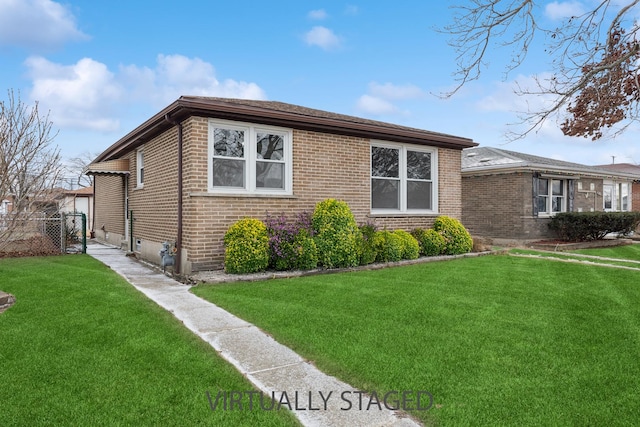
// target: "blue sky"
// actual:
[[103, 67]]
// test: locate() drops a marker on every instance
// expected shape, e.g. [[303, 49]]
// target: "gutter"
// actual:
[[180, 207], [183, 108], [533, 167]]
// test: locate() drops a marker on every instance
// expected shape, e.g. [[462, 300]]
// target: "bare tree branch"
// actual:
[[594, 57], [29, 165]]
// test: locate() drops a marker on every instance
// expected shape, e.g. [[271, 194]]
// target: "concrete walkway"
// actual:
[[270, 366]]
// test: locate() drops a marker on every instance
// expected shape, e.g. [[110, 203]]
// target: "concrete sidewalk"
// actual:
[[270, 366]]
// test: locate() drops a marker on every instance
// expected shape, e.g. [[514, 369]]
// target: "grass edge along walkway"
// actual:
[[81, 346], [497, 340], [572, 257]]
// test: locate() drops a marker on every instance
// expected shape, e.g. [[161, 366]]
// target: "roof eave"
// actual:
[[182, 108], [537, 167]]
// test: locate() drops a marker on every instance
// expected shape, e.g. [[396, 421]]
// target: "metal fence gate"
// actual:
[[68, 232]]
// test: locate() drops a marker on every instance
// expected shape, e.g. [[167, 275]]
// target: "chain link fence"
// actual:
[[39, 234]]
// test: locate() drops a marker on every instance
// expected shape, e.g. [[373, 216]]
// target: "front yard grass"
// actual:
[[82, 347], [497, 340], [616, 256], [631, 252]]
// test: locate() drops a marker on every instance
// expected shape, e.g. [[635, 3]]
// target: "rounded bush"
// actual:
[[389, 246], [246, 247], [431, 242], [337, 235], [410, 246], [458, 240]]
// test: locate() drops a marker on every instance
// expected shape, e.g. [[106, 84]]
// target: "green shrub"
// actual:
[[457, 238], [337, 235], [246, 247], [389, 246], [580, 226], [431, 242], [306, 252], [410, 246], [289, 242], [367, 249]]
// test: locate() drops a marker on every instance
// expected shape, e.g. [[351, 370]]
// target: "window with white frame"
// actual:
[[615, 196], [140, 168], [403, 179], [246, 158], [551, 196]]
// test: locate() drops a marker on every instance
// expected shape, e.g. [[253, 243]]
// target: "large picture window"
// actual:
[[249, 158], [403, 179]]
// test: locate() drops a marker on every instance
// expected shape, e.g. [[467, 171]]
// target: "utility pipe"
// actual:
[[178, 257]]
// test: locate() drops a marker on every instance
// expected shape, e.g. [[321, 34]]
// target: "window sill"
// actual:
[[249, 195], [138, 187], [401, 214]]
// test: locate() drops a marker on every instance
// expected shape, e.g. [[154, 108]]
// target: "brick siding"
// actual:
[[324, 166], [109, 214]]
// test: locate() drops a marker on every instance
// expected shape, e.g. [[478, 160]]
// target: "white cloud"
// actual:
[[87, 95], [176, 75], [379, 97], [322, 37], [560, 10], [319, 14], [39, 24], [374, 105], [391, 91], [78, 96]]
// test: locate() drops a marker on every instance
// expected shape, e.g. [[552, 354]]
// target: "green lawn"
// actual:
[[497, 340], [613, 257], [82, 347], [631, 252]]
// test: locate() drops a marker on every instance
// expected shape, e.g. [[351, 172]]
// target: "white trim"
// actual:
[[615, 196], [565, 196], [403, 148], [139, 166], [250, 158]]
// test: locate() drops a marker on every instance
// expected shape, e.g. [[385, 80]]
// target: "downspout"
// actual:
[[93, 202], [178, 257]]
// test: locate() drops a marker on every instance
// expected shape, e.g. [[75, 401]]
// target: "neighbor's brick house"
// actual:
[[510, 195], [201, 164]]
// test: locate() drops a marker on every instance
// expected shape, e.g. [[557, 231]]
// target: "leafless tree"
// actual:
[[594, 60], [75, 167], [29, 167]]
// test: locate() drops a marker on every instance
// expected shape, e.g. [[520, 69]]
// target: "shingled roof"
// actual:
[[489, 160], [277, 114]]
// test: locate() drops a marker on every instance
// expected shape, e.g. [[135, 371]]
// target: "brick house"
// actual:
[[635, 186], [190, 171], [510, 195]]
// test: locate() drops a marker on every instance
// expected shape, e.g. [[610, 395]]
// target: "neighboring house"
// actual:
[[510, 195], [78, 201], [6, 205], [635, 187], [193, 169]]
